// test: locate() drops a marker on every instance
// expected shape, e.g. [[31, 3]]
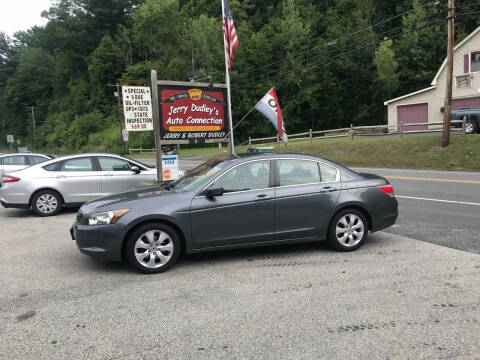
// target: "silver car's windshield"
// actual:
[[195, 177]]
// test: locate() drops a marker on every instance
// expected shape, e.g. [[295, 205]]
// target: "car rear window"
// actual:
[[34, 159], [14, 160]]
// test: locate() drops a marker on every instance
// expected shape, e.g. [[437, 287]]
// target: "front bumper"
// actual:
[[102, 242]]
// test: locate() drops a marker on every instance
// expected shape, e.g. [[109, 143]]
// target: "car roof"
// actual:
[[243, 157], [467, 110], [66, 157], [24, 154]]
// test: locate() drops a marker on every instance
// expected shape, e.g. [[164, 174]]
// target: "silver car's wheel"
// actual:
[[47, 203], [154, 249], [349, 230]]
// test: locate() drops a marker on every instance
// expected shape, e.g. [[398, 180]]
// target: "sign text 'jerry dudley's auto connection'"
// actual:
[[137, 108]]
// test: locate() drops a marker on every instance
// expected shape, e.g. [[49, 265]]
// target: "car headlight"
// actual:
[[105, 218]]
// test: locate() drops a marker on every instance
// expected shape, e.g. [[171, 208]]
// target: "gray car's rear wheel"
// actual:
[[348, 230], [47, 203], [152, 248]]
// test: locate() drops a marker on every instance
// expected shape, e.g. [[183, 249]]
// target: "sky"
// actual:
[[18, 15]]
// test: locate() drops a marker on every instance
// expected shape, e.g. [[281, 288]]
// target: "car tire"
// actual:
[[47, 203], [348, 230], [470, 128], [152, 248]]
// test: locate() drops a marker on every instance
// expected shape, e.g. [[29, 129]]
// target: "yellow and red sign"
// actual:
[[192, 114]]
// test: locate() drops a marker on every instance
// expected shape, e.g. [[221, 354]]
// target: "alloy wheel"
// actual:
[[469, 128], [349, 230], [153, 249], [47, 203]]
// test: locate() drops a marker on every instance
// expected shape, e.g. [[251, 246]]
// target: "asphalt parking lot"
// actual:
[[397, 297]]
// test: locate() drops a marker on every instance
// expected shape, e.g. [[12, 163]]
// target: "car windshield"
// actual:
[[142, 163], [195, 177]]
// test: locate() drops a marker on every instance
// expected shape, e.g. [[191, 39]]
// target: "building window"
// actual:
[[464, 81], [475, 61]]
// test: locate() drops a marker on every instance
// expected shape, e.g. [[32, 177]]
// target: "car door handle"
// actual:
[[60, 177], [328, 189], [262, 197], [108, 175]]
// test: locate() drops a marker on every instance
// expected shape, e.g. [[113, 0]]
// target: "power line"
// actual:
[[369, 39], [327, 43], [372, 38], [339, 55]]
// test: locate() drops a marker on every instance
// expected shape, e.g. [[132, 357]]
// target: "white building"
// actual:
[[427, 105]]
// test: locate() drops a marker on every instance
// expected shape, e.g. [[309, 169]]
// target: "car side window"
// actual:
[[250, 176], [298, 172], [81, 164], [327, 173], [14, 160], [36, 159], [113, 164]]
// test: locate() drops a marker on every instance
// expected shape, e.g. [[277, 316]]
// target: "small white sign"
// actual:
[[125, 135], [169, 167], [137, 108], [10, 139]]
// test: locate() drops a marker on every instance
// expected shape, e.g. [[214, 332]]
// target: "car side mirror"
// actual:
[[213, 191], [135, 169]]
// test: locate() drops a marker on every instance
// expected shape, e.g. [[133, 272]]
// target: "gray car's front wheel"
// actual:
[[348, 230], [47, 203], [152, 248]]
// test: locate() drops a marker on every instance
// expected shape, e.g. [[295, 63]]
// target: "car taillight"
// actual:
[[387, 188], [9, 179]]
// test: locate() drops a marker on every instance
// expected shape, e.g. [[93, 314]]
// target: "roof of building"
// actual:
[[408, 95], [435, 79], [464, 41]]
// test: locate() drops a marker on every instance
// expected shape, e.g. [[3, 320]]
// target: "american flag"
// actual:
[[231, 40]]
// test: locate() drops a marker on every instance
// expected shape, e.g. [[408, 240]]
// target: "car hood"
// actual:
[[105, 202]]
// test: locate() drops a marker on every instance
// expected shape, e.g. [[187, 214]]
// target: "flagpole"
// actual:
[[231, 148]]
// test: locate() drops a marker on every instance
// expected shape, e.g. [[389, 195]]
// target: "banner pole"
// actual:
[[156, 124], [231, 147]]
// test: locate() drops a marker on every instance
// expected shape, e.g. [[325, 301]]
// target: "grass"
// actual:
[[186, 152], [415, 152]]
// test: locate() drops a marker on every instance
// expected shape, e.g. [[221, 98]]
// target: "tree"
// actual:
[[387, 66]]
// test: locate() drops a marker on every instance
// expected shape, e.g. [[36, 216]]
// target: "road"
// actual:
[[439, 207], [394, 298]]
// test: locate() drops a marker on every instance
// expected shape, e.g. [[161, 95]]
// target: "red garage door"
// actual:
[[409, 114], [469, 103]]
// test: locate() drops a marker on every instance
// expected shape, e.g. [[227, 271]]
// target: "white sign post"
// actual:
[[10, 139], [169, 167], [125, 135], [137, 108]]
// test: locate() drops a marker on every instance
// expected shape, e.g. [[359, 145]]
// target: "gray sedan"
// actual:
[[234, 202], [71, 181]]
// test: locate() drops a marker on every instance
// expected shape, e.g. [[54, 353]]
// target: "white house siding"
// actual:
[[435, 97]]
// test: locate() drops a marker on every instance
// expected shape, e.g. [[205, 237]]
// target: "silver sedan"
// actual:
[[71, 181], [11, 162]]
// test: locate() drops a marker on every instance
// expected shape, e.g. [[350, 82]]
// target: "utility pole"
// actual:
[[156, 124], [33, 120], [447, 114], [117, 94], [31, 108]]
